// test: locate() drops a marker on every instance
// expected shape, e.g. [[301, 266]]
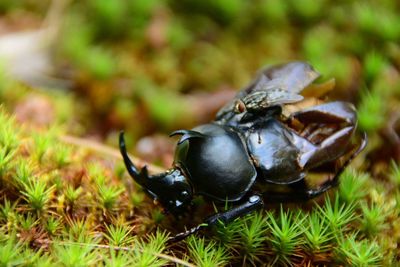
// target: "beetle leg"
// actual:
[[187, 233], [334, 181], [312, 193], [253, 203]]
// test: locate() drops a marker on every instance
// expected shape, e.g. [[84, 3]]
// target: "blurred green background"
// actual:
[[154, 66]]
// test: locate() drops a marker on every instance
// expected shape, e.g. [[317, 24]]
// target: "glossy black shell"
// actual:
[[277, 152], [217, 163]]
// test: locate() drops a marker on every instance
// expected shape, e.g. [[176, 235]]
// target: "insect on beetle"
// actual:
[[269, 136]]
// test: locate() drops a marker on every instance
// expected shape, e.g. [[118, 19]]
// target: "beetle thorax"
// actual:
[[216, 162]]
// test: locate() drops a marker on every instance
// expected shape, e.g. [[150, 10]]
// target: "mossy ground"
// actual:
[[67, 203], [139, 66]]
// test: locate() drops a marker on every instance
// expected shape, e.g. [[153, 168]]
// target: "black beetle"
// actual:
[[267, 138]]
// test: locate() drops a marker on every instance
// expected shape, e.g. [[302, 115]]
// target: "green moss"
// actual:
[[119, 235], [338, 215], [72, 194], [285, 235], [373, 19], [318, 237], [37, 194], [308, 10], [274, 12], [145, 254], [359, 253], [63, 204], [394, 174], [373, 66], [108, 195], [11, 251], [352, 186], [99, 62], [371, 111], [373, 219], [71, 255], [109, 16], [206, 254]]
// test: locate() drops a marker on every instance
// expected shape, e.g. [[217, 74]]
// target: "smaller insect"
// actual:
[[267, 138], [265, 95]]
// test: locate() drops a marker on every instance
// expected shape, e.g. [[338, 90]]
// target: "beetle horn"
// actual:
[[187, 134], [139, 176]]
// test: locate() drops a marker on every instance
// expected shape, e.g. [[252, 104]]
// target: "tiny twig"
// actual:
[[98, 147], [54, 18]]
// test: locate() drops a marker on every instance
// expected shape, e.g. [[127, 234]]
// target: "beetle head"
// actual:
[[170, 188]]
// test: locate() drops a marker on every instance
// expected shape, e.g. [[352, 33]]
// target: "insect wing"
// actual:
[[281, 84], [292, 77], [272, 97]]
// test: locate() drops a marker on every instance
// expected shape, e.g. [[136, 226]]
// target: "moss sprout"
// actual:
[[7, 210], [108, 195], [71, 255], [358, 253], [394, 174], [206, 254], [27, 221], [53, 225], [373, 220], [37, 194], [72, 194], [317, 234], [371, 111], [373, 66], [337, 215], [118, 259], [285, 235], [119, 235], [11, 251], [252, 237], [146, 253], [352, 186], [23, 173]]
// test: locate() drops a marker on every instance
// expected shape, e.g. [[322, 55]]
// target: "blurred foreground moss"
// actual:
[[61, 205]]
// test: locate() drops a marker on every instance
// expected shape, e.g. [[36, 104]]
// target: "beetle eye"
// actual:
[[240, 107], [184, 194]]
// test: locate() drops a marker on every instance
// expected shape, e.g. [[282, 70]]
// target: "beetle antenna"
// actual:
[[138, 176]]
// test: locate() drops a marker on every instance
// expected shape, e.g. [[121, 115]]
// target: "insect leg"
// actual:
[[296, 196], [253, 203], [334, 181]]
